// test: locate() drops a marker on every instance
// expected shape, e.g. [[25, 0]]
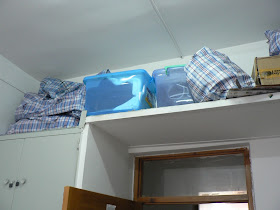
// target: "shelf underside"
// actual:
[[241, 118]]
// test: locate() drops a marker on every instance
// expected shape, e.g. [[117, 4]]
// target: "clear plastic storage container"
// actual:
[[171, 86], [119, 92]]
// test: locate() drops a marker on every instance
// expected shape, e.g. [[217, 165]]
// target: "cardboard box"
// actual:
[[266, 70]]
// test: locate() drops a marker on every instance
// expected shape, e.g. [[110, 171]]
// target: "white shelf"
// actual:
[[232, 119]]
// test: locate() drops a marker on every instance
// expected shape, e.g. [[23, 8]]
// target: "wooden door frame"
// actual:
[[138, 176]]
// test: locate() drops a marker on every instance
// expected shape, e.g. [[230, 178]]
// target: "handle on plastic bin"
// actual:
[[174, 66]]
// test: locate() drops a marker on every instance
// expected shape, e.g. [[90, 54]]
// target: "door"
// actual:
[[10, 152], [47, 165], [86, 200]]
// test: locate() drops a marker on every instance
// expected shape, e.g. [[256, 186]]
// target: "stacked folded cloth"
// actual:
[[211, 74], [58, 104]]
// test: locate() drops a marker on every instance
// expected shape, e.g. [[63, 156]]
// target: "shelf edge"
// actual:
[[185, 108]]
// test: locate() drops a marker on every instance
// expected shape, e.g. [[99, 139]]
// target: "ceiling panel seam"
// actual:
[[11, 85], [168, 30]]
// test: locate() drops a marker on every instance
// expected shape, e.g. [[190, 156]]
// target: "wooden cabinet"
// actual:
[[39, 167], [86, 200]]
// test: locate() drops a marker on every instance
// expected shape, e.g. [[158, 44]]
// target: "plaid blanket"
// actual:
[[58, 104], [273, 37], [210, 74]]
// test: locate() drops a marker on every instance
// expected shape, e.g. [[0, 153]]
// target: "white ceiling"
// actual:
[[70, 38]]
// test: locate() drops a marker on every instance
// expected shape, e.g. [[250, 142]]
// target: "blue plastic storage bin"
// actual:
[[119, 92], [171, 86]]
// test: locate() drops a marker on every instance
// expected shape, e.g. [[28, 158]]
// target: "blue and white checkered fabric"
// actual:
[[58, 105], [43, 123], [273, 37], [210, 74]]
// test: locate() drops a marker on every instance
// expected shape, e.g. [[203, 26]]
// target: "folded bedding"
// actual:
[[58, 104]]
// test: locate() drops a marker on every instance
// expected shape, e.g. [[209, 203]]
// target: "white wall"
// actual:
[[242, 55], [265, 158], [106, 165], [13, 84]]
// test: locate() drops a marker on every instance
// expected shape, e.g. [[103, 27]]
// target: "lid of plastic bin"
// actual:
[[117, 74], [174, 66], [166, 69]]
